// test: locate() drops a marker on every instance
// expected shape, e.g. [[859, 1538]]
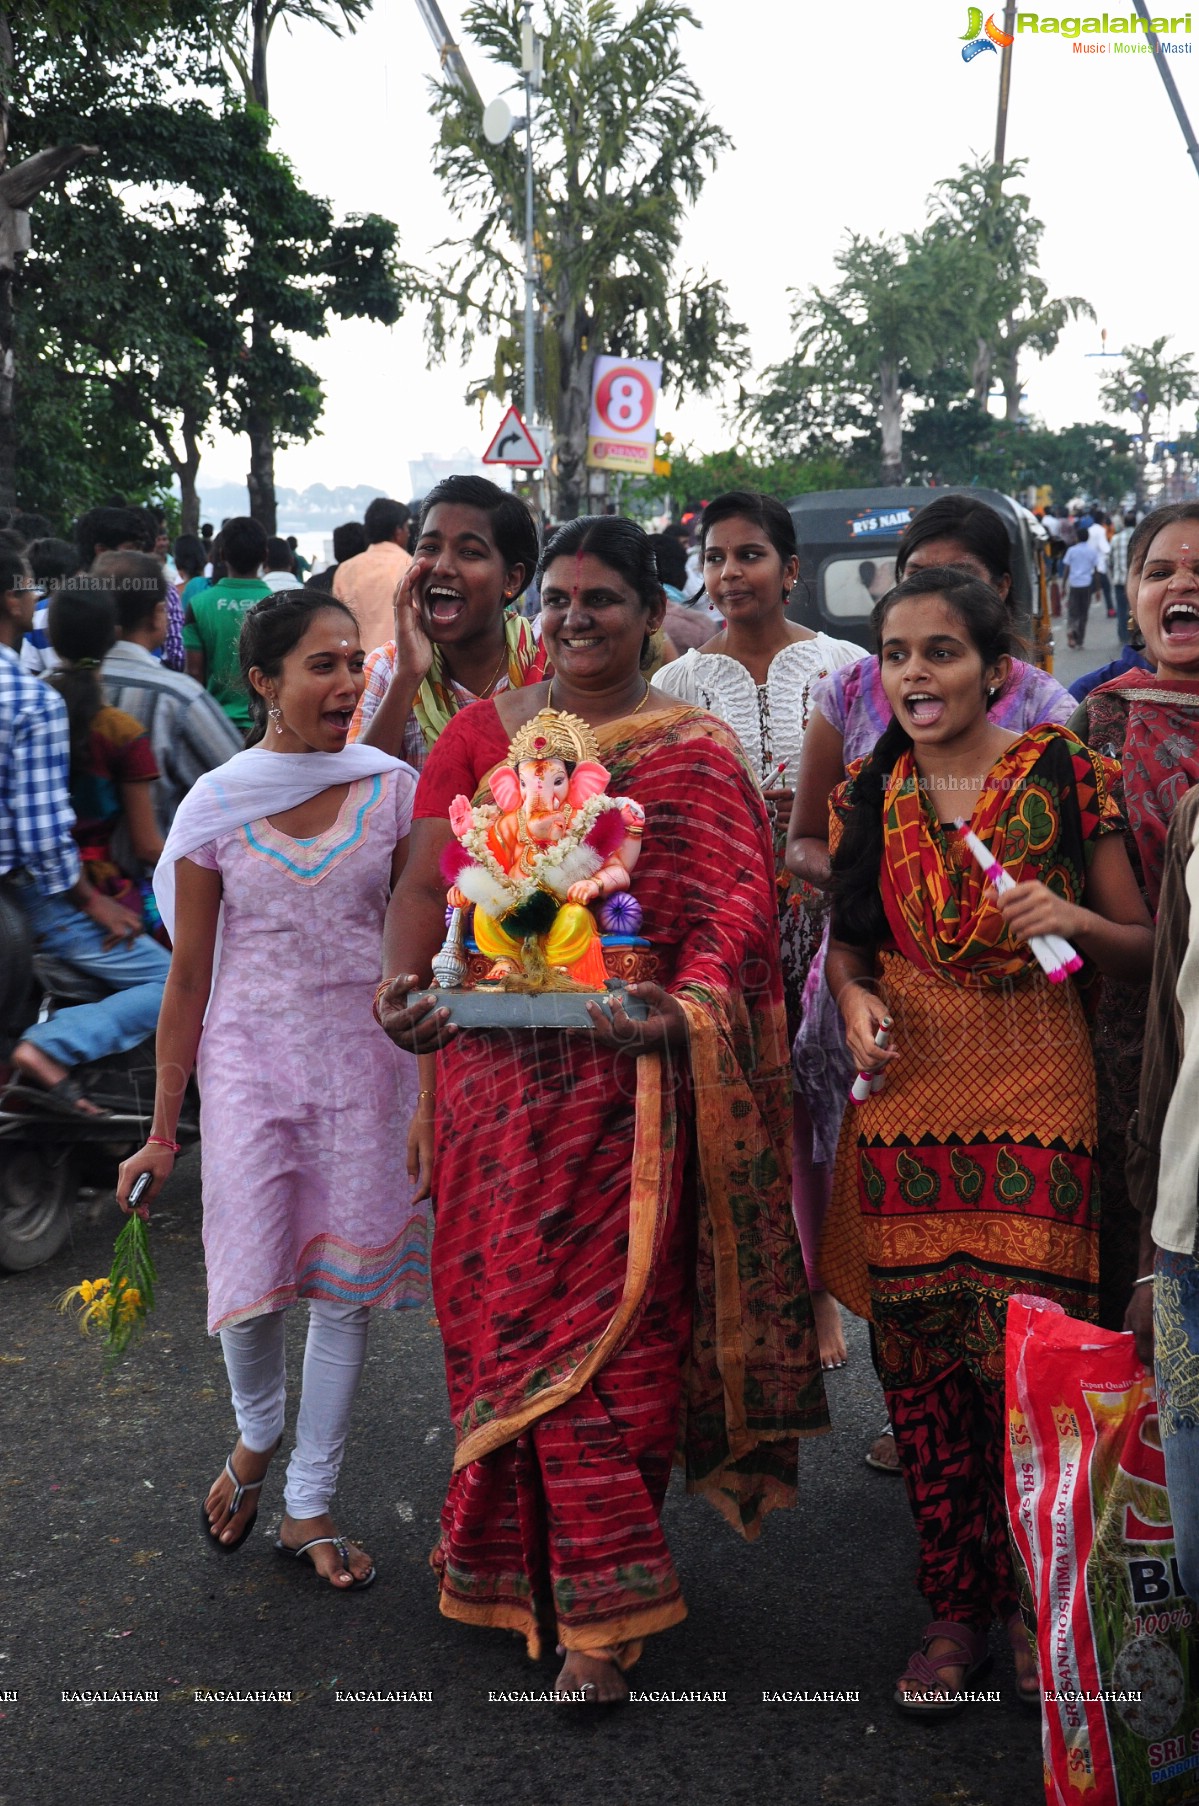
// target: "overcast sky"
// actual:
[[842, 116]]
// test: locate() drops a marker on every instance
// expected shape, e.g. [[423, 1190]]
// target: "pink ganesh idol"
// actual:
[[553, 843]]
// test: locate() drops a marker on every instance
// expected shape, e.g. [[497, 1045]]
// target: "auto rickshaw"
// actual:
[[848, 543]]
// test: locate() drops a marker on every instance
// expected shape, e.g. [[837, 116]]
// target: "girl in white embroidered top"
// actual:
[[757, 675]]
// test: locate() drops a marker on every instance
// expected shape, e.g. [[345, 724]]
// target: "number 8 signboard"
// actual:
[[624, 397]]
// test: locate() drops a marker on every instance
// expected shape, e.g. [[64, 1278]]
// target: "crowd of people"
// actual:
[[1089, 555], [230, 795]]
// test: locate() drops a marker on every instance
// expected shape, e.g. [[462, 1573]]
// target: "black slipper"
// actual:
[[63, 1098]]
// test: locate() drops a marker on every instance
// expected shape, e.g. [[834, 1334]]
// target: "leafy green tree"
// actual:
[[892, 319], [1150, 384], [244, 29], [622, 145], [32, 159], [961, 443], [76, 444], [299, 268], [1092, 460], [153, 276], [131, 286], [696, 477], [1008, 305]]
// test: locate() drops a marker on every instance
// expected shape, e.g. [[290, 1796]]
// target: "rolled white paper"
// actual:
[[868, 1082], [1055, 956]]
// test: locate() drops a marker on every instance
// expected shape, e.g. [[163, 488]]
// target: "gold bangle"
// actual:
[[421, 1094], [387, 982]]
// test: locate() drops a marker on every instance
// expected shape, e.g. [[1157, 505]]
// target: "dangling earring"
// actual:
[[991, 695], [276, 715]]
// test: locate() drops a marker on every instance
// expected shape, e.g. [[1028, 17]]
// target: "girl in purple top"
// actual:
[[849, 713]]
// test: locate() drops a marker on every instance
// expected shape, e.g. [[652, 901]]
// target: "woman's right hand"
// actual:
[[154, 1159], [414, 648], [864, 1013], [1138, 1320], [421, 1029]]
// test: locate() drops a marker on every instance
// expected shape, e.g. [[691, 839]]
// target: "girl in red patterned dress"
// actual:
[[967, 1177]]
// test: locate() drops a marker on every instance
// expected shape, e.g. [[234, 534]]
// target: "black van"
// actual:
[[848, 543]]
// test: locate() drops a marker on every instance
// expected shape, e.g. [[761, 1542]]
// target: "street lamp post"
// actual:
[[530, 65], [497, 122]]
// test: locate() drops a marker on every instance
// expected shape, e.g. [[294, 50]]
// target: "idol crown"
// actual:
[[554, 735]]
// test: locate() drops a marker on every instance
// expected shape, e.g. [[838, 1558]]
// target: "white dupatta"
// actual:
[[247, 787]]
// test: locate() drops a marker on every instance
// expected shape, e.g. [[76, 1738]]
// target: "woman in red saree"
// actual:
[[967, 1177], [616, 1271]]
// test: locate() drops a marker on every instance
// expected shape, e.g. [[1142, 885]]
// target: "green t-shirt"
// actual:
[[213, 627]]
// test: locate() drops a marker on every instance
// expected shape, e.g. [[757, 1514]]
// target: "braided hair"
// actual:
[[82, 624]]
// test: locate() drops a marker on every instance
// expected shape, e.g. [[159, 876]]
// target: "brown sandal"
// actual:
[[930, 1697]]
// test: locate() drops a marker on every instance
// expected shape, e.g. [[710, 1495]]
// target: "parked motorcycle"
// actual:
[[45, 1157]]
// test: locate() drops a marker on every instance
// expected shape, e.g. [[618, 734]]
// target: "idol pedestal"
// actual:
[[487, 1007]]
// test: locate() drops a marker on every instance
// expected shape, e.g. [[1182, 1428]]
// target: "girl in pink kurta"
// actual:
[[273, 885], [304, 1105]]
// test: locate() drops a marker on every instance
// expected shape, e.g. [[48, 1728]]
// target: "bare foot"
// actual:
[[829, 1330], [249, 1465], [883, 1455], [596, 1675], [325, 1558], [44, 1071], [503, 968]]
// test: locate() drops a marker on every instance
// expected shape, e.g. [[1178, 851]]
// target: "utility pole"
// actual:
[[497, 122], [530, 66], [452, 59], [1005, 82], [1167, 75]]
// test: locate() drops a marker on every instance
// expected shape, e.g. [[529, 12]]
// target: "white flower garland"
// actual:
[[568, 862]]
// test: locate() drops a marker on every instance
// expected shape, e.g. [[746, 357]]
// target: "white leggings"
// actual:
[[333, 1358]]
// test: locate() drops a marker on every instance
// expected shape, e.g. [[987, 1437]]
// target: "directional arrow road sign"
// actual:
[[513, 443]]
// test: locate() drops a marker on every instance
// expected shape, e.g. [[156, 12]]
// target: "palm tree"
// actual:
[[1149, 383], [622, 146], [245, 35], [1010, 307], [893, 318]]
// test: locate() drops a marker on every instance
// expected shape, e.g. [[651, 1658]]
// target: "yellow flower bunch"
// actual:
[[119, 1304], [102, 1304]]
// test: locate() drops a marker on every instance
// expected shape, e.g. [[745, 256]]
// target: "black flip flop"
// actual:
[[63, 1097]]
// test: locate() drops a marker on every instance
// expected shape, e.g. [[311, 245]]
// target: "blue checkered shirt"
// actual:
[[36, 817]]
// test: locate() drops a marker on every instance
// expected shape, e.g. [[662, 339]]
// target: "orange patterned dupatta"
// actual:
[[936, 897]]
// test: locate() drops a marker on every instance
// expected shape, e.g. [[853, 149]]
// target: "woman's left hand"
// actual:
[[778, 807], [1032, 908], [665, 1026], [421, 1135]]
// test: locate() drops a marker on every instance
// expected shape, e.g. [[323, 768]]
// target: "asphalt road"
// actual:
[[1102, 645], [108, 1584]]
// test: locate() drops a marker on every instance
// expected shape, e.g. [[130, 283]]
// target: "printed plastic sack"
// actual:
[[1116, 1643]]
